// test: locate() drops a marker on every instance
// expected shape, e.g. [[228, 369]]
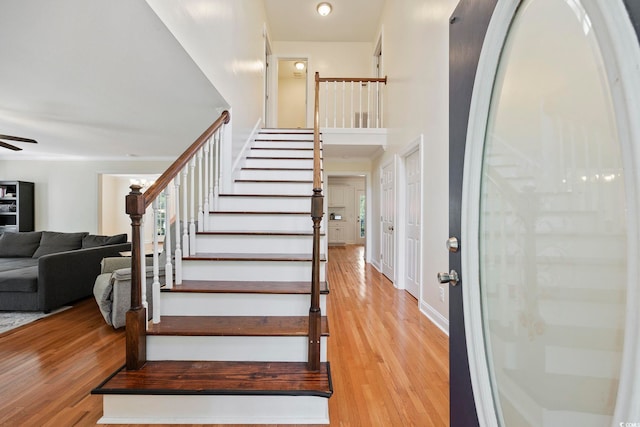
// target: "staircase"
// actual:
[[232, 343]]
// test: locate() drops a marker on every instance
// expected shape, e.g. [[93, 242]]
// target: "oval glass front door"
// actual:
[[552, 237]]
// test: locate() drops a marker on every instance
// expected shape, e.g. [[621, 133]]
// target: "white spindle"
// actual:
[[352, 112], [205, 188], [216, 187], [155, 286], [360, 107], [178, 254], [343, 103], [212, 147], [192, 207], [168, 267], [326, 104], [382, 107], [335, 103], [369, 104], [143, 273], [209, 183], [377, 104], [185, 210], [200, 191]]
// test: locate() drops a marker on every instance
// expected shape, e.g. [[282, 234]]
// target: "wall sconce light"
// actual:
[[299, 65], [324, 8]]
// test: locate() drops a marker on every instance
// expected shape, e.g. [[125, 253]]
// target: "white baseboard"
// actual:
[[438, 319], [374, 263]]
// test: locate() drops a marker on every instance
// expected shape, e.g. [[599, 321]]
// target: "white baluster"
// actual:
[[205, 189], [178, 256], [192, 208], [360, 108], [382, 107], [143, 273], [211, 173], [168, 267], [200, 191], [351, 97], [335, 103], [155, 286], [185, 210], [216, 187], [369, 104], [326, 104], [343, 103], [377, 104]]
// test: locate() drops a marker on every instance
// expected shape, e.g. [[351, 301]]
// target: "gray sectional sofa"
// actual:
[[44, 270]]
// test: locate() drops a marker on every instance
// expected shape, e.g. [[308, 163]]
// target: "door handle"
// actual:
[[451, 277], [391, 228]]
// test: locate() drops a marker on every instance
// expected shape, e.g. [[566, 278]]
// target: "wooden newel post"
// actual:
[[136, 320], [315, 330]]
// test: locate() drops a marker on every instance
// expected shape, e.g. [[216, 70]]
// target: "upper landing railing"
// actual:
[[350, 102]]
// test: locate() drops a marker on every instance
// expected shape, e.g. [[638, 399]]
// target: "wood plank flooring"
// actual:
[[389, 363]]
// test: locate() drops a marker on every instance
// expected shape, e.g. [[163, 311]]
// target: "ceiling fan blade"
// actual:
[[17, 138], [9, 146]]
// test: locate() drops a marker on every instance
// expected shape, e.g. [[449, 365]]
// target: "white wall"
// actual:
[[225, 39], [67, 192], [292, 102], [415, 48]]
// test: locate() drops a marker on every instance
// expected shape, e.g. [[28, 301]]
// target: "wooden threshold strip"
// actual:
[[235, 326], [246, 287], [220, 378]]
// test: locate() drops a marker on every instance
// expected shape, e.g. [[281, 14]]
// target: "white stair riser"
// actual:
[[298, 154], [180, 409], [266, 174], [219, 304], [283, 144], [255, 244], [272, 204], [249, 270], [278, 163], [297, 188], [234, 348], [261, 222]]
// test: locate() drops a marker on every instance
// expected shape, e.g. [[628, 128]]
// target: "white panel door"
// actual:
[[360, 206], [412, 224], [387, 244]]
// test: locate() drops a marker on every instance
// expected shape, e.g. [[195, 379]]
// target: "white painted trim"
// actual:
[[310, 86], [623, 57], [245, 149], [436, 318]]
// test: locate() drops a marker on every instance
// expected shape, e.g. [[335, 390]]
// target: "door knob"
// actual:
[[453, 244], [450, 277]]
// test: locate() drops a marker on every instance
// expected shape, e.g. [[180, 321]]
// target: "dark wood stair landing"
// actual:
[[245, 287], [220, 378]]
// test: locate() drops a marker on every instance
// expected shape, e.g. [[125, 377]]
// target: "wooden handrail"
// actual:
[[353, 79], [136, 205]]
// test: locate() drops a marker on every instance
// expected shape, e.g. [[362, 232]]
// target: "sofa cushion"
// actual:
[[19, 280], [7, 264], [54, 242], [24, 244], [92, 240]]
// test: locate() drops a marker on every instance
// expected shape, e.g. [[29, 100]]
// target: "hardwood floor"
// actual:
[[389, 363]]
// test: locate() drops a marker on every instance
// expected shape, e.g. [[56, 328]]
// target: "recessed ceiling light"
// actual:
[[299, 65], [324, 8]]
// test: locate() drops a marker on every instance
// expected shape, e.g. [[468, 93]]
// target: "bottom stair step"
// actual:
[[220, 378], [217, 393]]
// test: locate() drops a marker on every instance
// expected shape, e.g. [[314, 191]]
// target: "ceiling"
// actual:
[[349, 21], [87, 88]]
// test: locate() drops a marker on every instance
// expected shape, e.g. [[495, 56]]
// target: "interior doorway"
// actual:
[[292, 93]]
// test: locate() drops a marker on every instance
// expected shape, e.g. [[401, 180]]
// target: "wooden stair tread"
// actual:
[[246, 287], [206, 256], [278, 169], [265, 195], [278, 158], [258, 213], [256, 233], [284, 148], [235, 326], [220, 378], [278, 181]]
